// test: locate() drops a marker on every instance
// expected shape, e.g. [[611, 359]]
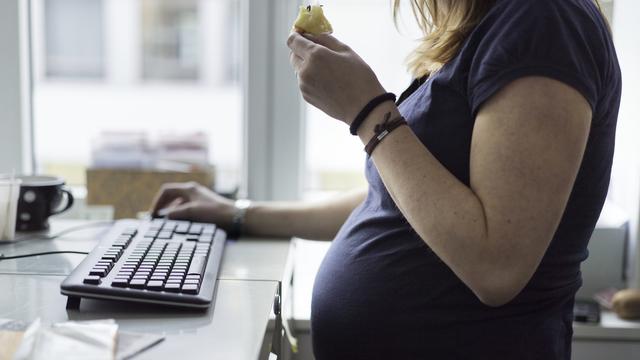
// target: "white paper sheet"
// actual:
[[71, 340]]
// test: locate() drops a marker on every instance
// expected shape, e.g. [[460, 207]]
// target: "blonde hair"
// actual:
[[445, 25]]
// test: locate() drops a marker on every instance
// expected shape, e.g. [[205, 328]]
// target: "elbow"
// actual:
[[495, 298], [496, 292]]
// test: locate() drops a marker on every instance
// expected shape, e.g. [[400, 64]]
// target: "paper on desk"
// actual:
[[70, 340], [11, 333]]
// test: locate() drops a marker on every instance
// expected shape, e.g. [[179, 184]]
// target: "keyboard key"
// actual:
[[154, 285], [195, 229], [137, 283], [108, 264], [165, 235], [190, 289], [192, 282], [172, 287], [193, 277], [208, 229], [120, 282], [113, 252], [182, 228], [197, 265], [98, 271], [92, 279], [130, 231]]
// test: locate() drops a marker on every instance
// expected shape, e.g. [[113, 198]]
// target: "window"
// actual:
[[74, 38], [335, 160], [140, 68], [170, 39]]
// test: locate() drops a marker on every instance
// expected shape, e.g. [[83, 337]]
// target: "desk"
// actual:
[[612, 339], [236, 327]]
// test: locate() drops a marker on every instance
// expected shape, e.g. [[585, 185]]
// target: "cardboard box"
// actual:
[[130, 191]]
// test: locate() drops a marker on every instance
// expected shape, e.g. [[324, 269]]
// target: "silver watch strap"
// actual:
[[237, 223]]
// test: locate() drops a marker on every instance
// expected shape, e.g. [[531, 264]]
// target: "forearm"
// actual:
[[318, 220], [446, 213]]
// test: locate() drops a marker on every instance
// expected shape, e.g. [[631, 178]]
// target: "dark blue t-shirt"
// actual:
[[381, 293]]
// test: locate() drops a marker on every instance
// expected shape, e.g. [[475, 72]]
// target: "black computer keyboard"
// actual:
[[155, 261]]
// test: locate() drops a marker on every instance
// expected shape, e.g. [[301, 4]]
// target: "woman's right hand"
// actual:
[[194, 202]]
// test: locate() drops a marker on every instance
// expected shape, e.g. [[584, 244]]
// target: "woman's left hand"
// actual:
[[331, 76]]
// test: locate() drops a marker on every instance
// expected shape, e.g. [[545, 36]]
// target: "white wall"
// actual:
[[625, 189]]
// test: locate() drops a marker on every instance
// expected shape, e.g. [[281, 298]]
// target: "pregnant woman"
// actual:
[[486, 178]]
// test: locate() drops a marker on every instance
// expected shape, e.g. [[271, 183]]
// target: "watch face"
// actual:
[[242, 203]]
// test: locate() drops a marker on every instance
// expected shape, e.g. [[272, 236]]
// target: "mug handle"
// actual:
[[69, 202]]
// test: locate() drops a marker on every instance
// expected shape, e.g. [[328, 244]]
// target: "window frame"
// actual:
[[16, 137], [274, 120]]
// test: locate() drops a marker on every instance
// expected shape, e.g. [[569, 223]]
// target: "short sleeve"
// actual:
[[554, 39]]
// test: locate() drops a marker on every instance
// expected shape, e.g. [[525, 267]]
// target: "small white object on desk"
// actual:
[[9, 193]]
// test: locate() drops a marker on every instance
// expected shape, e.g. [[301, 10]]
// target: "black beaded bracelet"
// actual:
[[367, 109]]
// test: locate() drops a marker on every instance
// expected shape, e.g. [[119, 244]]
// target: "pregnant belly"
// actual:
[[406, 304]]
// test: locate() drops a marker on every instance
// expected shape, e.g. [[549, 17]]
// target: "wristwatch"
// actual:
[[241, 205]]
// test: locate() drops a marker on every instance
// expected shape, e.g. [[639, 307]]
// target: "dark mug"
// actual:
[[40, 197]]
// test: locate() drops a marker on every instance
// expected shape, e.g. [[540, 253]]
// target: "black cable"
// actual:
[[51, 237], [2, 257]]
